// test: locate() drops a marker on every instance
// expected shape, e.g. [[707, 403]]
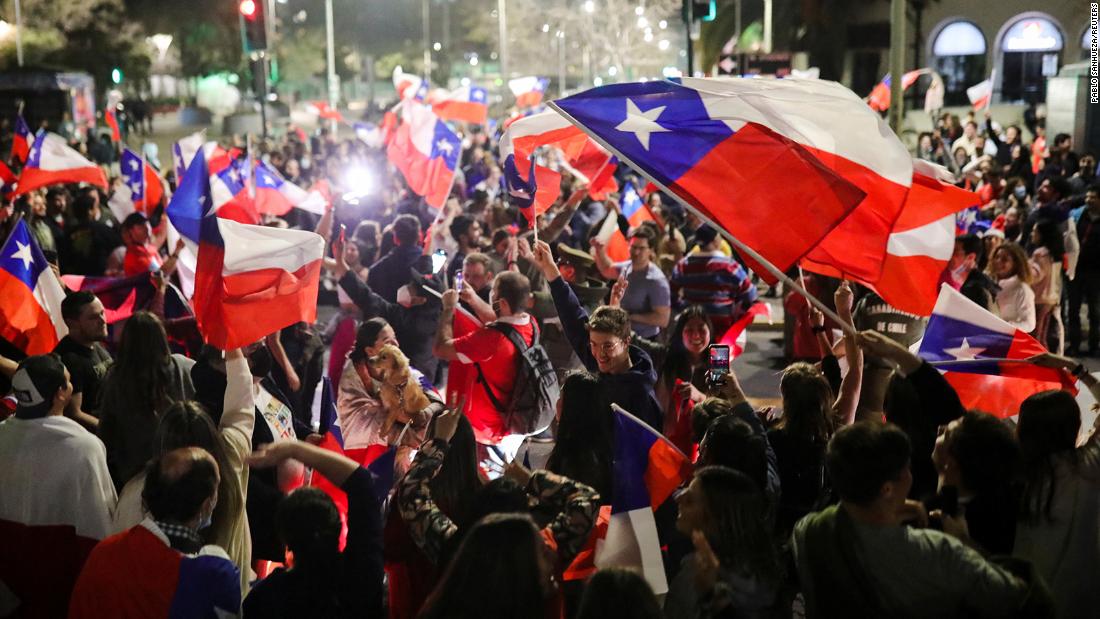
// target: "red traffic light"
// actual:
[[248, 8]]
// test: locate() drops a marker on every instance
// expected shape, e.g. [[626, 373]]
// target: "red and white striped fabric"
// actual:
[[848, 137], [50, 161], [922, 241]]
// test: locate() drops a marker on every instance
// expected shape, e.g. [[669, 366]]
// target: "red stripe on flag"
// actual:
[[739, 183], [24, 322], [33, 178]]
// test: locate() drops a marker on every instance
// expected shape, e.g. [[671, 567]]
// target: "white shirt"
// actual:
[[54, 472]]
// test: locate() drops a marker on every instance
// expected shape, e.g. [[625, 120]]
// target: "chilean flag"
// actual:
[[981, 94], [467, 104], [734, 157], [524, 192], [635, 211], [21, 140], [7, 181], [922, 240], [879, 100], [50, 161], [183, 151], [276, 196], [407, 85], [140, 189], [112, 122], [596, 167], [249, 280], [323, 110], [30, 295], [962, 331], [735, 337], [528, 91], [920, 243], [647, 468], [426, 151], [229, 188], [580, 153]]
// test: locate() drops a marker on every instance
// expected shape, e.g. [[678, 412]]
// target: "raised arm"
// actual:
[[573, 317], [239, 410], [444, 346], [848, 399], [603, 261], [553, 230], [428, 526]]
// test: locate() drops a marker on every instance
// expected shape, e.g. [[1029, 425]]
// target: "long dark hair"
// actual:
[[187, 424], [582, 449], [677, 362], [618, 593], [1048, 425], [459, 478], [807, 403], [739, 531], [139, 381], [495, 573], [1051, 238]]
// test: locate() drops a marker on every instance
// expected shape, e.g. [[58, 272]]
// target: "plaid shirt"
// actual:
[[181, 538]]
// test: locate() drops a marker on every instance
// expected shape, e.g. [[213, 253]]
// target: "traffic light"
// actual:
[[253, 25], [116, 75], [704, 10]]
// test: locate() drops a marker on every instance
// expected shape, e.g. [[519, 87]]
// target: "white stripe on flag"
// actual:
[[632, 542]]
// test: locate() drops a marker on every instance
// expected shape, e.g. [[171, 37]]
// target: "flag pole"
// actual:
[[743, 248]]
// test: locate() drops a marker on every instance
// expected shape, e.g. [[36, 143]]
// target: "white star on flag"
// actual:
[[31, 154], [24, 254], [640, 123], [134, 165], [444, 146], [964, 352]]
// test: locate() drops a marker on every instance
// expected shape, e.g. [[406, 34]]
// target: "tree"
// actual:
[[88, 35]]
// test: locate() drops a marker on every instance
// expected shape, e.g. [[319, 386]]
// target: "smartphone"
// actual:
[[459, 280], [343, 234], [719, 362]]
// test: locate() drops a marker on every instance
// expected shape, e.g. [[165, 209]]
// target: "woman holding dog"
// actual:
[[370, 418]]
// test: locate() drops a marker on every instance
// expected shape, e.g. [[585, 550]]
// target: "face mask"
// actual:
[[260, 362], [1020, 192]]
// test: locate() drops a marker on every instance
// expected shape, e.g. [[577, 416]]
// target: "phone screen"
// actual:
[[719, 358], [458, 282], [439, 259]]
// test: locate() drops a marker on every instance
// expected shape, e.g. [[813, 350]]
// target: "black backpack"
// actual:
[[535, 390]]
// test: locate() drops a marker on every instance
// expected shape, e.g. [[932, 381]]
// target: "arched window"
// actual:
[[958, 55], [1086, 43], [1031, 49]]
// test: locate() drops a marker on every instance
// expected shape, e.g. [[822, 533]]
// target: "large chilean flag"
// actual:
[[751, 164], [468, 104], [961, 335], [30, 295], [50, 161], [249, 280], [276, 195]]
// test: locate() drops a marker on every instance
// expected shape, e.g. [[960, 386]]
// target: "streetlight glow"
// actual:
[[643, 22], [589, 6], [662, 24], [663, 44]]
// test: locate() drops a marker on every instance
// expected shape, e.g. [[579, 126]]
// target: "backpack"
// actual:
[[535, 389]]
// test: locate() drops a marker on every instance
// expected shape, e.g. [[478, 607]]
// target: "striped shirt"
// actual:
[[715, 281]]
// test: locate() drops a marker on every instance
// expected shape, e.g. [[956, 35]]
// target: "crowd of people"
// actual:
[[144, 476]]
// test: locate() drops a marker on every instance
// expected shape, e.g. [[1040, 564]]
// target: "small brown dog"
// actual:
[[400, 394]]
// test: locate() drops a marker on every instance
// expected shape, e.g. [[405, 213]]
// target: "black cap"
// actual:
[[705, 234]]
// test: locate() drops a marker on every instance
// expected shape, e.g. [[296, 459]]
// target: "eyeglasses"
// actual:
[[606, 347]]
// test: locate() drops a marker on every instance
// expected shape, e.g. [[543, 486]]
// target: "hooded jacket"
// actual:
[[633, 389]]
